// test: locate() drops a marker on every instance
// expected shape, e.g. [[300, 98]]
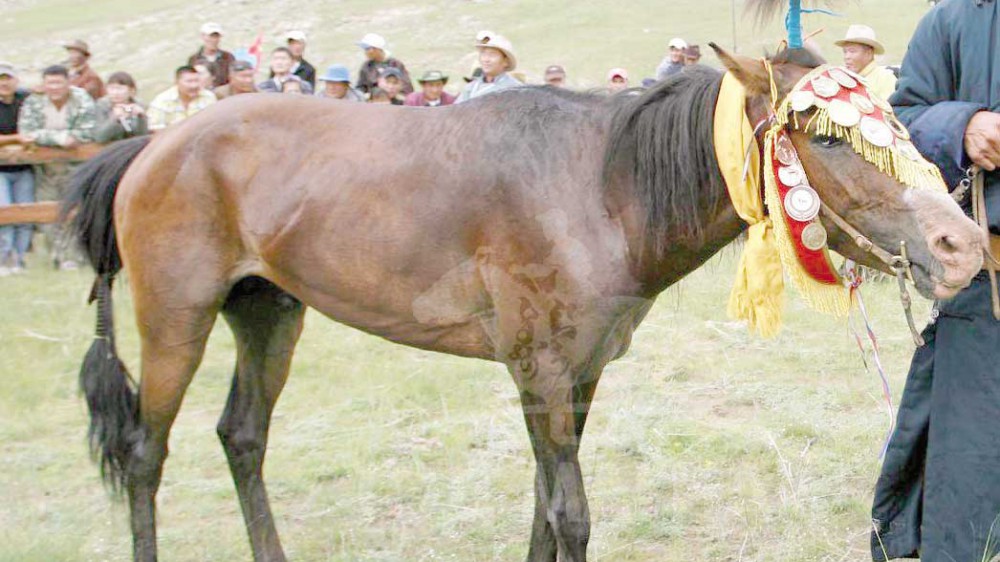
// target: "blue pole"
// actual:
[[793, 23]]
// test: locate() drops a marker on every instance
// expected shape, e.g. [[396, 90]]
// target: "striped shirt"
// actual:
[[167, 108]]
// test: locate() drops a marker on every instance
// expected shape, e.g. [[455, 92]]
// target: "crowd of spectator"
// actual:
[[72, 105]]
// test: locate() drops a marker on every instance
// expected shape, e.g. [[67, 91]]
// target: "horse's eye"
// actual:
[[826, 141]]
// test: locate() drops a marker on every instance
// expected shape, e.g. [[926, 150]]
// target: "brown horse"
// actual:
[[533, 228]]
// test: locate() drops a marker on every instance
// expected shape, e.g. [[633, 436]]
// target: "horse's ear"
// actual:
[[750, 72]]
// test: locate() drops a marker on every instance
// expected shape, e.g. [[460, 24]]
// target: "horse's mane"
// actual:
[[663, 139]]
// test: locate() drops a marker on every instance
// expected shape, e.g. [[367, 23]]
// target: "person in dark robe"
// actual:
[[938, 495]]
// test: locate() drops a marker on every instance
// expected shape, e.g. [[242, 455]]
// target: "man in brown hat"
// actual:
[[80, 73], [860, 47]]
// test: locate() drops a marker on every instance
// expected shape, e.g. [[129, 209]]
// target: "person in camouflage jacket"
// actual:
[[63, 116], [77, 107]]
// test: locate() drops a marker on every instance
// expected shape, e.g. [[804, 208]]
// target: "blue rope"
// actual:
[[793, 23]]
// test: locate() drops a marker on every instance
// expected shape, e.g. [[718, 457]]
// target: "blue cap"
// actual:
[[336, 73]]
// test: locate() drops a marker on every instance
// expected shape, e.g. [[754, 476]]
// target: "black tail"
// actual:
[[105, 382], [91, 197]]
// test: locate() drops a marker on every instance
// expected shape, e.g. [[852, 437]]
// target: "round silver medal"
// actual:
[[876, 132], [825, 86], [802, 100], [881, 104], [784, 151], [814, 236], [843, 78], [897, 127], [843, 113], [802, 203], [791, 175], [862, 103], [909, 151]]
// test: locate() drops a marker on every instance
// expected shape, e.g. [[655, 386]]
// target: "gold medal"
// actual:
[[843, 78], [802, 100], [791, 175], [862, 103], [876, 132], [802, 203], [825, 86], [784, 151], [843, 113], [814, 236], [897, 127]]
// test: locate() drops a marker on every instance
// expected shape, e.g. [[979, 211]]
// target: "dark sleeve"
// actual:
[[362, 83], [108, 128], [925, 97], [310, 75], [407, 83]]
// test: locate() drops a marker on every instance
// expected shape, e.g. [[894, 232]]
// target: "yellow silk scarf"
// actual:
[[757, 294]]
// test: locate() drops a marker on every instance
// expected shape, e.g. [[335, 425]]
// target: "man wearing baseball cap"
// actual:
[[296, 43], [390, 81], [80, 73], [377, 58], [241, 80], [555, 75], [674, 61], [617, 80], [497, 59], [432, 92], [210, 51], [860, 47]]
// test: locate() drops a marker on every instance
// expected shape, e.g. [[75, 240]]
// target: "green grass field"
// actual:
[[703, 444]]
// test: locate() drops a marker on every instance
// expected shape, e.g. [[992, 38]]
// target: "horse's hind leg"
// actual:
[[266, 322], [173, 341]]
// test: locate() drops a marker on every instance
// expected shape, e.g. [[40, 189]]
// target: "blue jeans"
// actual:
[[15, 187]]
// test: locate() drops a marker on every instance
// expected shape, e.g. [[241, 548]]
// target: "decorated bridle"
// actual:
[[843, 108]]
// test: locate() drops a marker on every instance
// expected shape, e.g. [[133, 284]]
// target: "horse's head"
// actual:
[[858, 160]]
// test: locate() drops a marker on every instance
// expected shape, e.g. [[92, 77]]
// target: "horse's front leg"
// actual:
[[556, 401]]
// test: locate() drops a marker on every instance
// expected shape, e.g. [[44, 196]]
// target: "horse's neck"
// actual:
[[685, 254]]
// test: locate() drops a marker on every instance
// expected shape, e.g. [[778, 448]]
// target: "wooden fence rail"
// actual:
[[45, 211]]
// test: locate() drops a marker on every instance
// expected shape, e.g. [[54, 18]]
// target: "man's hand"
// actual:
[[70, 142], [27, 138], [982, 140]]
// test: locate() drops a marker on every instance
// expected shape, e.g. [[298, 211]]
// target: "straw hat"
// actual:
[[499, 42], [863, 35]]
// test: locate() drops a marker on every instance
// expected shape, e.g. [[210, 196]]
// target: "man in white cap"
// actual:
[[377, 59], [210, 52], [674, 61], [296, 42], [497, 59], [860, 47]]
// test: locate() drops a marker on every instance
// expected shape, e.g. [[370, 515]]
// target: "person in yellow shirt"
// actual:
[[860, 47]]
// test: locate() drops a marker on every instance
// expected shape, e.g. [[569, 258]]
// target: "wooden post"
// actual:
[[30, 213]]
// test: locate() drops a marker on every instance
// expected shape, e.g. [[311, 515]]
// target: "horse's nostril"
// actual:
[[949, 245]]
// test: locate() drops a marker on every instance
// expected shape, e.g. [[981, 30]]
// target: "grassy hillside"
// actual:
[[151, 37]]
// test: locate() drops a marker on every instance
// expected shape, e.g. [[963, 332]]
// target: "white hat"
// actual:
[[863, 35], [372, 40], [485, 39], [296, 35], [677, 43], [210, 28]]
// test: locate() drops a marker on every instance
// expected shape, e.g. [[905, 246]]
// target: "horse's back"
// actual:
[[404, 222]]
